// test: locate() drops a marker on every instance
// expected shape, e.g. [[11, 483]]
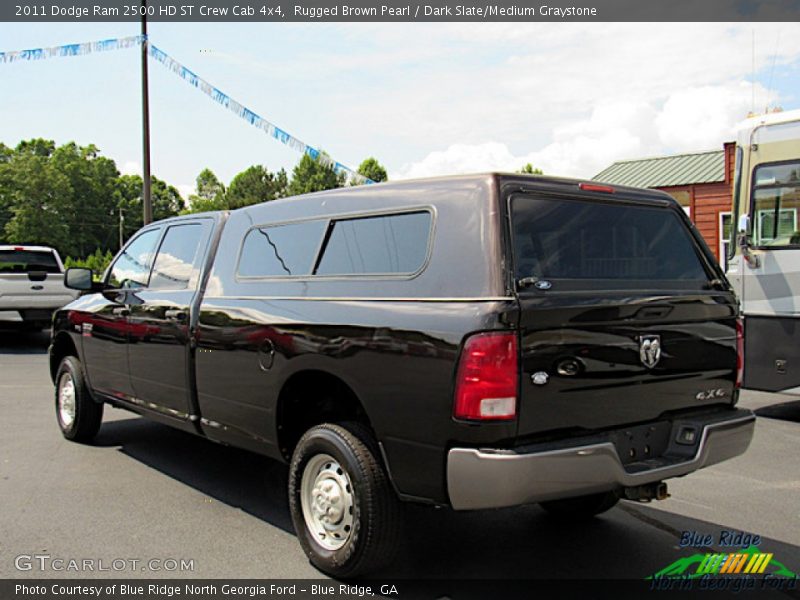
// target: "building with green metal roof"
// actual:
[[667, 171]]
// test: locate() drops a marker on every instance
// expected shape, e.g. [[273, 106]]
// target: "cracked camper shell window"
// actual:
[[281, 250]]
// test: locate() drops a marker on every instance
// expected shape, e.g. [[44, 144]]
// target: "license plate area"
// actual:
[[642, 442]]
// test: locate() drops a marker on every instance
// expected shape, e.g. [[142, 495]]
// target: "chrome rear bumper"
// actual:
[[486, 478]]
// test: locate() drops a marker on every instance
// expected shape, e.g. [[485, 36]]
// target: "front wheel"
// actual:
[[582, 507], [344, 510], [79, 416]]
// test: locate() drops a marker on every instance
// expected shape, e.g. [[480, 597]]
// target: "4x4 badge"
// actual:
[[650, 350]]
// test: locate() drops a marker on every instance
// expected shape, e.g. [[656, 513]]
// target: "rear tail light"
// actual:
[[487, 378], [739, 353]]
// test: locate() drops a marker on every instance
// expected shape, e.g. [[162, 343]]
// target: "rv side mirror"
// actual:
[[743, 237], [744, 223], [743, 229], [78, 278]]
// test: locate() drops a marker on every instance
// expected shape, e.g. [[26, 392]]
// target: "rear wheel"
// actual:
[[345, 512], [79, 416], [582, 507]]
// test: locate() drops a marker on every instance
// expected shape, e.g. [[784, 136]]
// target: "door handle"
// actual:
[[120, 311], [175, 314]]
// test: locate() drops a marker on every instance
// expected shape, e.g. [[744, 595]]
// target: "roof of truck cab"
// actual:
[[542, 183]]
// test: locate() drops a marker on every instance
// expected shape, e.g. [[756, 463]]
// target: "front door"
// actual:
[[104, 318], [161, 321]]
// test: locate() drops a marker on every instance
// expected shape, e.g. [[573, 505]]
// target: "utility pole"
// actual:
[[121, 223], [146, 197]]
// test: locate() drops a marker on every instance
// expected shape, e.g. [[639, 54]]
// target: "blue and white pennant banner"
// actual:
[[194, 80], [248, 115], [71, 49]]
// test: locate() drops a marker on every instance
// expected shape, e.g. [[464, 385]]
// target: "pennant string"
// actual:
[[71, 49], [250, 116], [195, 81]]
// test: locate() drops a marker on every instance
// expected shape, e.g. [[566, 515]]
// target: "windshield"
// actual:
[[578, 245], [25, 261]]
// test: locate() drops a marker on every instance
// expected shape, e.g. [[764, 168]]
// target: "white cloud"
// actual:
[[462, 158], [699, 118], [580, 149], [186, 189], [131, 167], [691, 119], [569, 98]]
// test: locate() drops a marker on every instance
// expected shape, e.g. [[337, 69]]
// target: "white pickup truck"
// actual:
[[31, 286]]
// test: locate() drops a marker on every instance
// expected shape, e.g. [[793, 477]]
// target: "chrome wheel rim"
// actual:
[[327, 500], [66, 400]]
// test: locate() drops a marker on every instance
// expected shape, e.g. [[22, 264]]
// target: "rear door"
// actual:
[[161, 317], [623, 317]]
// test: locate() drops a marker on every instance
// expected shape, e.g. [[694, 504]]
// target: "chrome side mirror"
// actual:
[[744, 223], [743, 239]]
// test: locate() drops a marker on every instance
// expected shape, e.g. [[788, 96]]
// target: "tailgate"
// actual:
[[623, 315], [588, 368], [34, 291]]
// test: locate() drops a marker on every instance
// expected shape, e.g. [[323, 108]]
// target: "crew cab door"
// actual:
[[104, 317], [161, 321], [622, 316]]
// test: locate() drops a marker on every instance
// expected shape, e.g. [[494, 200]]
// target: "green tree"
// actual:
[[313, 175], [61, 196], [529, 169], [167, 202], [34, 198], [69, 197], [36, 147], [254, 185], [97, 262], [210, 193], [92, 183], [372, 169]]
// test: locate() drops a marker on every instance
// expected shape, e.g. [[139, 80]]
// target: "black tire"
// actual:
[[87, 414], [373, 537], [582, 507]]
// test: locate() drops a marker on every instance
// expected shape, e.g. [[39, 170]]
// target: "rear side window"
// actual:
[[174, 267], [281, 250], [390, 244], [25, 261], [575, 244]]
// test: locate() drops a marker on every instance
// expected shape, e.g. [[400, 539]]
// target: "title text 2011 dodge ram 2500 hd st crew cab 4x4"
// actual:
[[474, 341]]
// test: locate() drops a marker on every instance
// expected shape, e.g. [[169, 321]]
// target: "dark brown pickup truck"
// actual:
[[475, 342]]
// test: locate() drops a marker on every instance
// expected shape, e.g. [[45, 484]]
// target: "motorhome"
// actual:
[[764, 253]]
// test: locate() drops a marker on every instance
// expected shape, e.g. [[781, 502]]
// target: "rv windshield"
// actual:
[[584, 245], [776, 199]]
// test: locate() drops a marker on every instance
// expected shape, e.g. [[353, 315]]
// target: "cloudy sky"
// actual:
[[425, 99]]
